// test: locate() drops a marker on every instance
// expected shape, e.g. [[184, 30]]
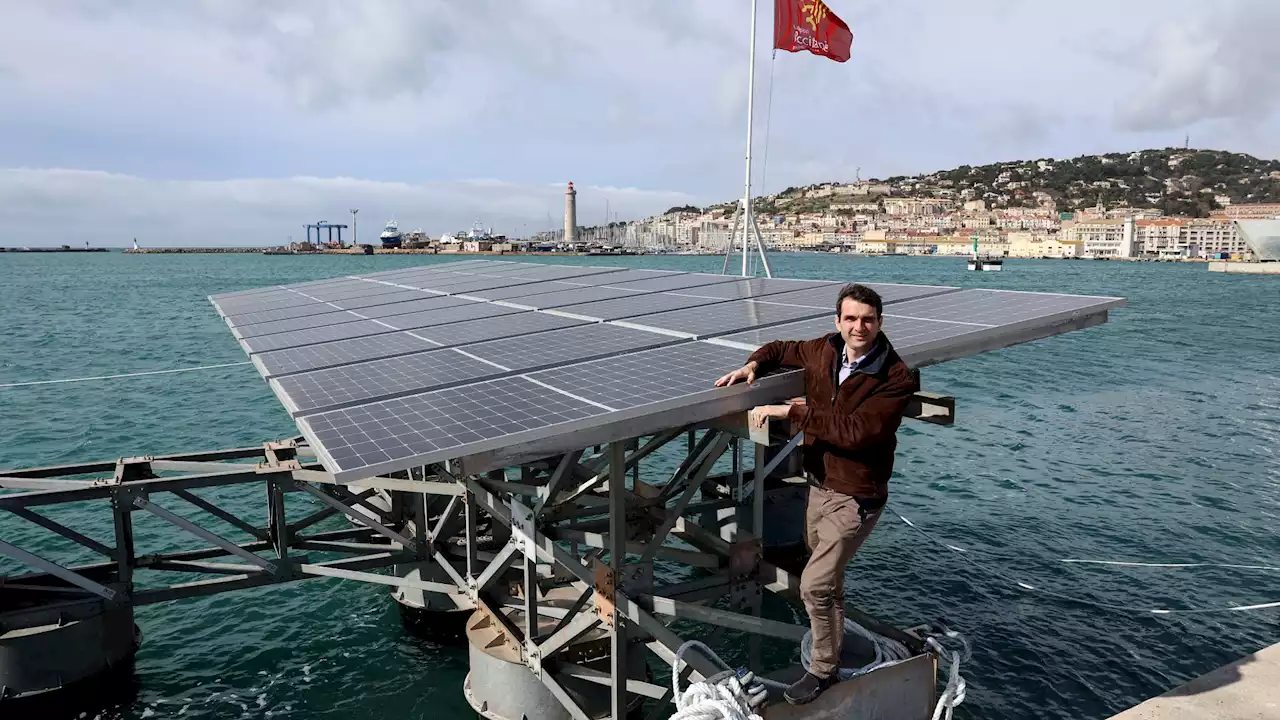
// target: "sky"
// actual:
[[235, 122]]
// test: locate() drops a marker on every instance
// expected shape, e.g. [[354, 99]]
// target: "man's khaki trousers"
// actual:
[[835, 527]]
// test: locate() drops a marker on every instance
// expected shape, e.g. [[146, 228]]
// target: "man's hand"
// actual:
[[758, 415], [746, 372]]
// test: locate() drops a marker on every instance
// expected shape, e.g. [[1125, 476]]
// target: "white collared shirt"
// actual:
[[847, 367]]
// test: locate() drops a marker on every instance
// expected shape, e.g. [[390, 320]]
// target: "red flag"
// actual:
[[810, 25]]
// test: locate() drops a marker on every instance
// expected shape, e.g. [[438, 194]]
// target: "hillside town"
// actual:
[[1162, 204]]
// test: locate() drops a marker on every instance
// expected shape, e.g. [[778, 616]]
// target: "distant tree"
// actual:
[[682, 208]]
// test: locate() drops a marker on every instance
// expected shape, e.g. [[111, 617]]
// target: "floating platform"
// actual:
[[539, 448]]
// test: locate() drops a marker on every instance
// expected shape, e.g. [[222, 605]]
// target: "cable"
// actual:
[[1125, 563], [768, 125], [1082, 601], [124, 375]]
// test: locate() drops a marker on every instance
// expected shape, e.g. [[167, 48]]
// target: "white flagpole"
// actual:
[[751, 91]]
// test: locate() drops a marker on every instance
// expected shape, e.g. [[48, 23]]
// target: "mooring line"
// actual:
[[1082, 601], [122, 375]]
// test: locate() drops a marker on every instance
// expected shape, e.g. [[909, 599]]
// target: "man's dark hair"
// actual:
[[862, 294]]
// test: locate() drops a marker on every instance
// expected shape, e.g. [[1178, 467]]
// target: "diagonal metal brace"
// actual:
[[143, 504], [57, 570]]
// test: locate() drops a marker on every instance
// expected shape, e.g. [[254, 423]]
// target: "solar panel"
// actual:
[[954, 325], [332, 388], [375, 347], [674, 282], [753, 288], [625, 307], [458, 313], [574, 296], [724, 318], [573, 344], [825, 297], [802, 330], [426, 302], [282, 314], [356, 303], [992, 307], [313, 336], [485, 283], [621, 276], [645, 377], [309, 392], [296, 323], [502, 326], [428, 376], [557, 272], [339, 352], [516, 291], [373, 438]]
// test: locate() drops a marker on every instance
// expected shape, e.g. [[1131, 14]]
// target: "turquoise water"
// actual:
[[1151, 438]]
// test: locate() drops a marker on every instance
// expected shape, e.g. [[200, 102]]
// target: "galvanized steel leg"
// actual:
[[617, 559]]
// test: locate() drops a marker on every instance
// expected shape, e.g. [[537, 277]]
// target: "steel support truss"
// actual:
[[586, 554]]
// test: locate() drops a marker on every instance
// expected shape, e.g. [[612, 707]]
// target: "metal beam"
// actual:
[[724, 618], [57, 570], [574, 629], [64, 531], [221, 514], [358, 517], [617, 563], [638, 687], [375, 578], [144, 504]]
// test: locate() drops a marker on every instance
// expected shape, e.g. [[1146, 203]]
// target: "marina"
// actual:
[[548, 454]]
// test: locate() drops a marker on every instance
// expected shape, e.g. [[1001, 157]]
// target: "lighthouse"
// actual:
[[570, 215]]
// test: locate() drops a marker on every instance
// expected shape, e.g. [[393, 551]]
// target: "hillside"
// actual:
[[1175, 180]]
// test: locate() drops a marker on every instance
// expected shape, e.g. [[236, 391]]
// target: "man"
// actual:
[[856, 391]]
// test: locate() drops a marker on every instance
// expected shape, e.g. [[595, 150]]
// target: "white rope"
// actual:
[[124, 375], [1126, 563], [724, 696], [1093, 603], [888, 651]]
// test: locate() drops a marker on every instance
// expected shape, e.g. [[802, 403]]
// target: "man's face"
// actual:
[[858, 324]]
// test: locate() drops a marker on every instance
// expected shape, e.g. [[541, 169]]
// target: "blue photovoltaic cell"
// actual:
[[501, 327], [282, 314], [622, 276], [297, 323], [752, 288], [339, 352], [575, 296], [405, 377], [428, 302], [646, 377], [726, 317], [426, 426], [626, 307], [825, 297], [313, 336], [359, 383], [363, 382], [675, 282]]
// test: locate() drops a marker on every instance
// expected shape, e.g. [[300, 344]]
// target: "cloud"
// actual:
[[1219, 64], [108, 209], [207, 95]]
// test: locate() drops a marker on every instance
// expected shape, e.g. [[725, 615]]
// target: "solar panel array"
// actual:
[[389, 370]]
